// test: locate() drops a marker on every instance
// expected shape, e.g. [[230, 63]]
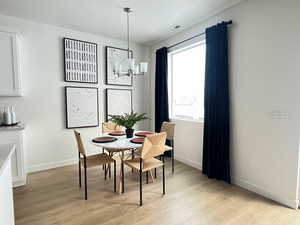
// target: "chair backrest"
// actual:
[[108, 127], [79, 143], [154, 145], [169, 128]]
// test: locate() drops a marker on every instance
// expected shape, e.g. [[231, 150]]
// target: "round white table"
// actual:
[[120, 146]]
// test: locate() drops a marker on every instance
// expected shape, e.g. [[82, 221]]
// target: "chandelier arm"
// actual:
[[132, 70]]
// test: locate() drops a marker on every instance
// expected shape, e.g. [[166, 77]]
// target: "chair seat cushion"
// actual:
[[148, 164], [96, 160]]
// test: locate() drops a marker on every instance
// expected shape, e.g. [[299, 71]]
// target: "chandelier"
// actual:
[[127, 67]]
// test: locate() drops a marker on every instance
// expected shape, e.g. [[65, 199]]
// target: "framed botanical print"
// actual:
[[118, 102], [81, 107], [120, 55], [80, 61]]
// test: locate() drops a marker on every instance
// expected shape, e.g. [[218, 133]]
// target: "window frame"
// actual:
[[170, 79]]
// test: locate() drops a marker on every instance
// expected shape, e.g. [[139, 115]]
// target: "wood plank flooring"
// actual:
[[53, 197]]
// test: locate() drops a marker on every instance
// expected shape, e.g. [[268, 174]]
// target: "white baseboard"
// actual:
[[51, 165], [292, 203], [19, 182], [247, 185], [189, 162]]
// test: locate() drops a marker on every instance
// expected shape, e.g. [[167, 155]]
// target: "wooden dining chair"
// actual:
[[169, 128], [108, 127], [153, 146], [91, 161]]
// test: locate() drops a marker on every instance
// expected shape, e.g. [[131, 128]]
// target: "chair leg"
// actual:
[[103, 166], [132, 157], [155, 173], [105, 171], [123, 179], [164, 181], [172, 144], [115, 176], [172, 152], [147, 177], [79, 173], [85, 182], [141, 195], [109, 168]]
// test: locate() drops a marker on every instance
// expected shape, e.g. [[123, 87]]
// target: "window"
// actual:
[[186, 82]]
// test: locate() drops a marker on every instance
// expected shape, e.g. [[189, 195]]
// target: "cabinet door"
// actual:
[[17, 158], [6, 203], [10, 84]]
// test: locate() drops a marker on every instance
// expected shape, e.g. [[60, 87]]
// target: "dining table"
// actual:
[[120, 147]]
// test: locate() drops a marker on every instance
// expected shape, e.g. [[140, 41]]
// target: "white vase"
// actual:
[[13, 115], [7, 116]]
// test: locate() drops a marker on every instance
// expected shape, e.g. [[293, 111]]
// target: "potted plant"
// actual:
[[128, 120]]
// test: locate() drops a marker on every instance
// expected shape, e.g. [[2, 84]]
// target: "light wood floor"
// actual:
[[53, 197]]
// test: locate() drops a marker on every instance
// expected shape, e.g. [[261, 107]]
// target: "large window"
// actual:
[[186, 82]]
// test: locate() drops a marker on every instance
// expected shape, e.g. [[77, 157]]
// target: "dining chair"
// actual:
[[109, 127], [169, 128], [90, 161], [153, 146]]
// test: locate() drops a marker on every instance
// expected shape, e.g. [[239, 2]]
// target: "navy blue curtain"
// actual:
[[216, 157], [161, 88]]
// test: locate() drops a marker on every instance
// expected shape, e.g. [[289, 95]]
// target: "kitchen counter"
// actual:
[[20, 126], [5, 153]]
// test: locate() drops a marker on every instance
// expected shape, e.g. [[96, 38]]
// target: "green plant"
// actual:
[[128, 120]]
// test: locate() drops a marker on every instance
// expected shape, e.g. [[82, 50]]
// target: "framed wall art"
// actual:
[[118, 102], [80, 61], [81, 107], [120, 55]]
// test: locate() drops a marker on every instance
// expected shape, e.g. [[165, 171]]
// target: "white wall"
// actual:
[[42, 107], [264, 83], [188, 148]]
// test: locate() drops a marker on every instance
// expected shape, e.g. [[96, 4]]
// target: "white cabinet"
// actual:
[[15, 136], [6, 197], [10, 82], [6, 193]]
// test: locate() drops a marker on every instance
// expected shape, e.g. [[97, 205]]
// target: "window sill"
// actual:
[[188, 120]]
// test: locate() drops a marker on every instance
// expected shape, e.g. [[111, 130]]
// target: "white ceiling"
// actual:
[[151, 20]]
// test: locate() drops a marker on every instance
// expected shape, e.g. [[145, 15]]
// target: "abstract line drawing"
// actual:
[[81, 107]]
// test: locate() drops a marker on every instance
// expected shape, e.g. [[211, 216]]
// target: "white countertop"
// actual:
[[20, 126], [5, 153]]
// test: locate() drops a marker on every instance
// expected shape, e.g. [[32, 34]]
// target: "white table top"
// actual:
[[122, 143]]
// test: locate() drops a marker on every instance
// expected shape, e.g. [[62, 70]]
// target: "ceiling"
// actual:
[[152, 20]]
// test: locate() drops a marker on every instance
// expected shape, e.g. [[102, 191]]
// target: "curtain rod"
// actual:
[[198, 35]]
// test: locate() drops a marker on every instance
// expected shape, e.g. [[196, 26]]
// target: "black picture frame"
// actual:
[[107, 100], [107, 66], [66, 107], [80, 62]]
